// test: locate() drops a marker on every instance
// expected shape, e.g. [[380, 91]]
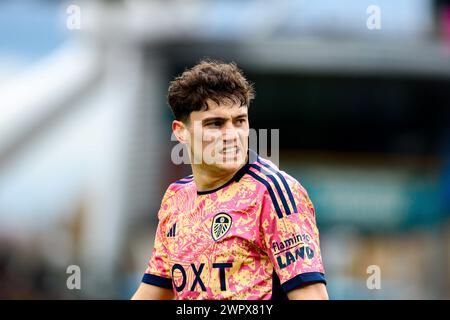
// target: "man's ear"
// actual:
[[180, 131]]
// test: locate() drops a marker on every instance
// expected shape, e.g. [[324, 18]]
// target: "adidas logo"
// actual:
[[171, 232]]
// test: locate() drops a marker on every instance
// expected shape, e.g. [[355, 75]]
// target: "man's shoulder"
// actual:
[[265, 172], [279, 188], [184, 184], [177, 191]]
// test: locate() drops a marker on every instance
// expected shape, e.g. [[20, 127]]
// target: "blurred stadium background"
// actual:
[[85, 143]]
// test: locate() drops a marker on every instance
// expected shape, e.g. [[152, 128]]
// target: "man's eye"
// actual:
[[215, 124], [241, 121]]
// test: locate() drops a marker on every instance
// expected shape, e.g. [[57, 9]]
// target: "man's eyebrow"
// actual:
[[214, 119], [243, 115]]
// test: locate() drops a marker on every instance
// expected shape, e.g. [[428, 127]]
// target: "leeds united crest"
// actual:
[[220, 225]]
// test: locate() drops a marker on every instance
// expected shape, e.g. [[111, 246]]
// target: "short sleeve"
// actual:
[[291, 237], [158, 268]]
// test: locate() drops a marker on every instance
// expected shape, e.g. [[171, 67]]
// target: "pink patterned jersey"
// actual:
[[255, 237]]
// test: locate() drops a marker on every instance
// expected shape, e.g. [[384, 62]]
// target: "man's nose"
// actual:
[[230, 132]]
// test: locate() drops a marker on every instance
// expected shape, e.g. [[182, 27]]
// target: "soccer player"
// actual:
[[238, 227]]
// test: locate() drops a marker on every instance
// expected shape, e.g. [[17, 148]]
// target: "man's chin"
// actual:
[[226, 161], [231, 163]]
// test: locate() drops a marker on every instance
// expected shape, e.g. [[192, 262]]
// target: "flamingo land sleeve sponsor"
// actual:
[[292, 249]]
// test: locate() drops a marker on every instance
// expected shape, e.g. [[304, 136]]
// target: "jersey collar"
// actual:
[[252, 158]]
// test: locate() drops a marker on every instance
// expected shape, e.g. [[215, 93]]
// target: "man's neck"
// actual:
[[210, 179]]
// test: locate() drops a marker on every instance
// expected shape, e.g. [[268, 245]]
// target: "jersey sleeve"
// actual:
[[291, 237], [158, 268]]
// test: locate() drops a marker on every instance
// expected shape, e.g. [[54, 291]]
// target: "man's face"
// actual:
[[219, 136]]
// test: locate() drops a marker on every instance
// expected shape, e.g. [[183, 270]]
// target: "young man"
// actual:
[[238, 228]]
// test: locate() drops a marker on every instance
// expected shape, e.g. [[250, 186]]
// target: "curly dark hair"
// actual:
[[209, 79]]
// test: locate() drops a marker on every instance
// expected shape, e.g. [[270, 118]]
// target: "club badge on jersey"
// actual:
[[220, 225]]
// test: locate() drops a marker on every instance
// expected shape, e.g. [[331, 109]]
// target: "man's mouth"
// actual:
[[230, 150]]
